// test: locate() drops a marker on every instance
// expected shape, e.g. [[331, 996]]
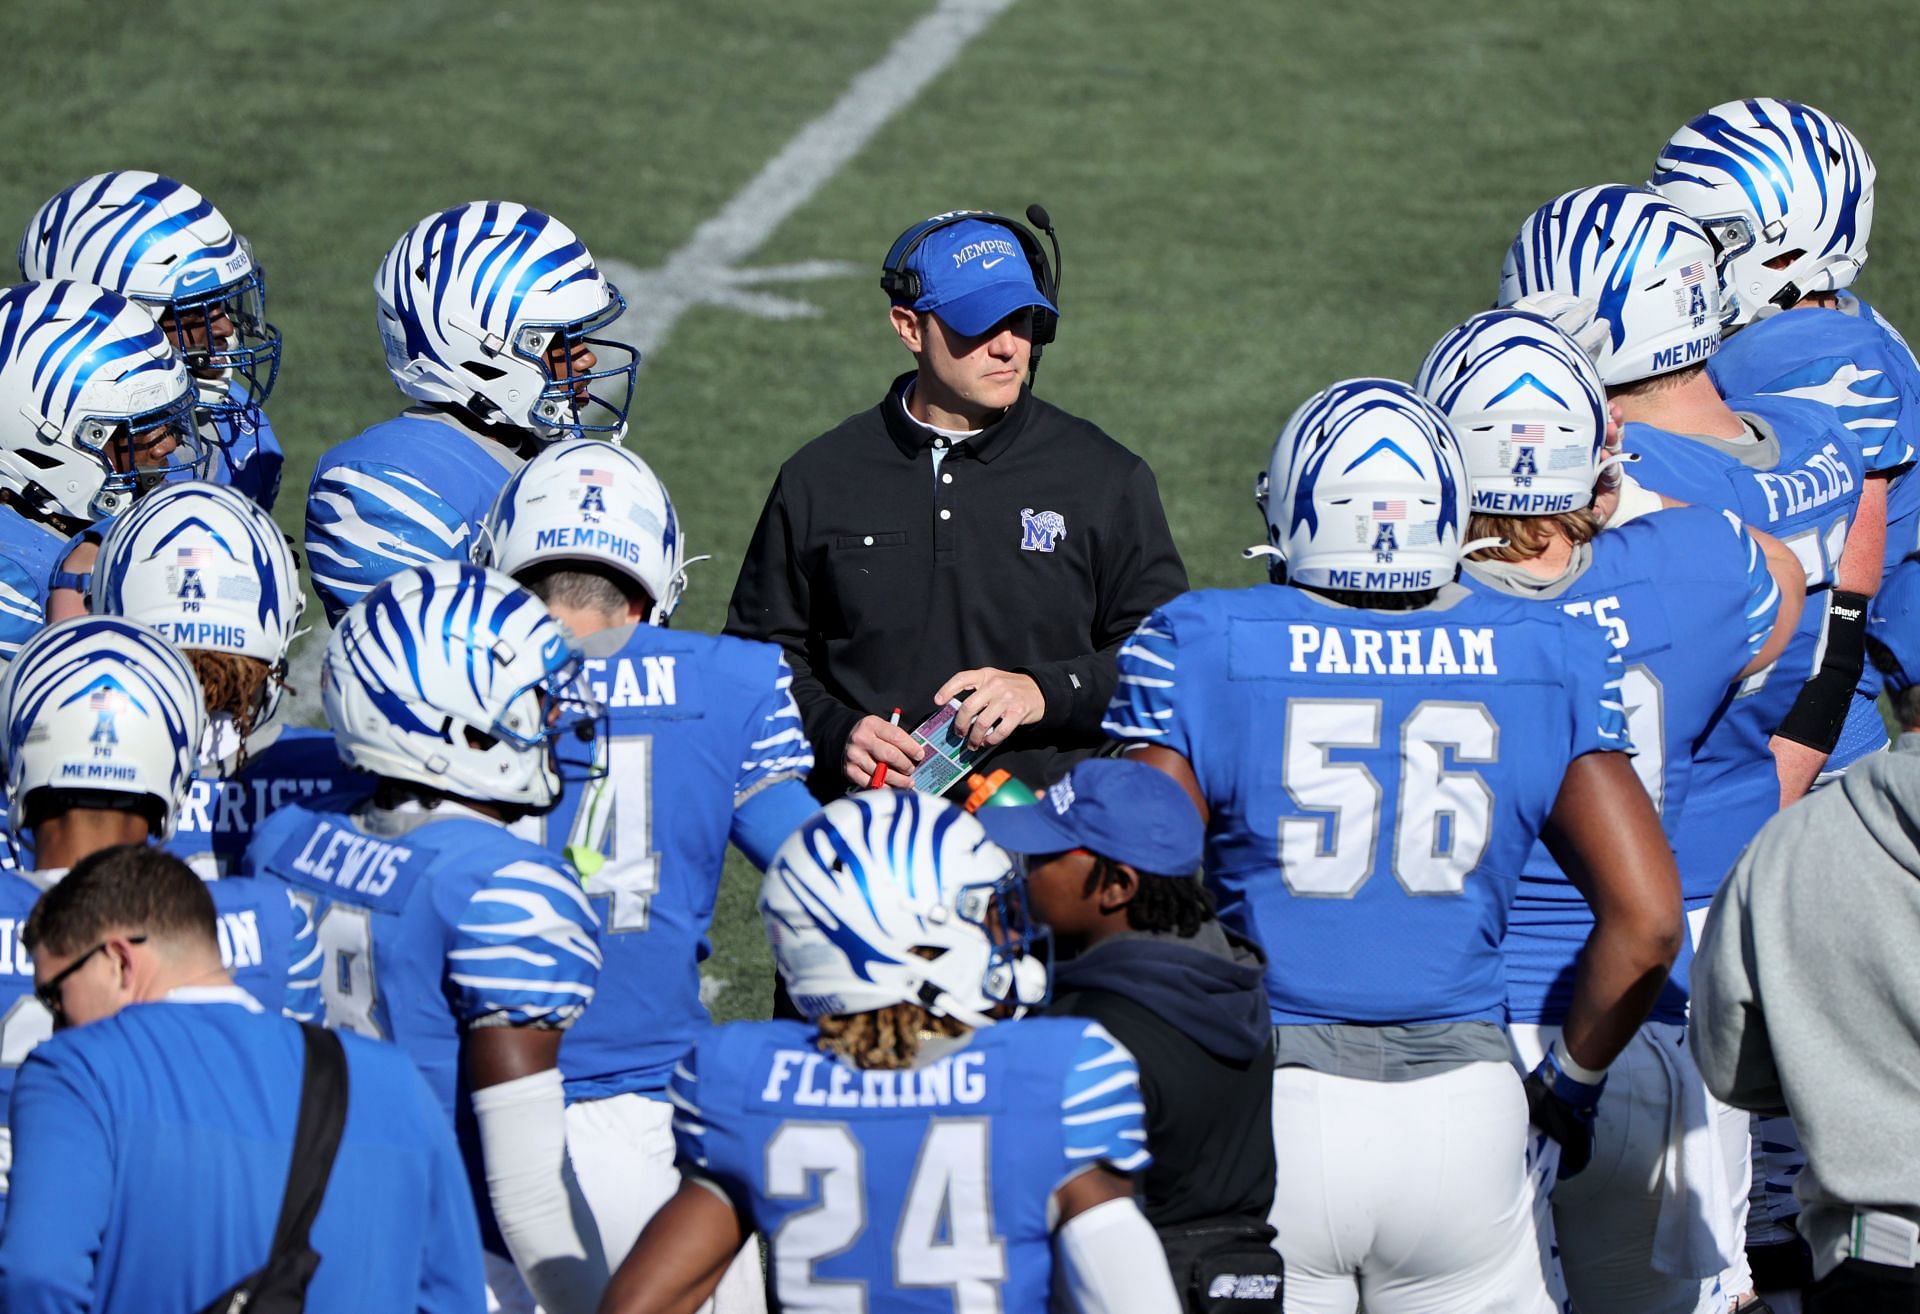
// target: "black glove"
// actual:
[[1564, 1108]]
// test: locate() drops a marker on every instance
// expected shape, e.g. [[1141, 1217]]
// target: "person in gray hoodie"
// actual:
[[1806, 993], [1111, 855]]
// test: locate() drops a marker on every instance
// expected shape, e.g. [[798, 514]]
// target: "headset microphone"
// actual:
[[1037, 216]]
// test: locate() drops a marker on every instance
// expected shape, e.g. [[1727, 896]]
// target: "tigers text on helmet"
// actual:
[[1646, 266], [1528, 409], [487, 306], [161, 243], [454, 677], [1365, 490], [208, 569], [888, 897], [1772, 180], [103, 704], [592, 503], [95, 406]]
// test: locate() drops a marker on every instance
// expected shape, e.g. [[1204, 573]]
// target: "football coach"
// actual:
[[961, 540]]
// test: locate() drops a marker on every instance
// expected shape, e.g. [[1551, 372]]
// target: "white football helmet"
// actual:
[[209, 569], [1769, 178], [1365, 490], [1528, 408], [874, 877], [91, 395], [592, 502], [1646, 266], [161, 243], [103, 704], [455, 677], [475, 303]]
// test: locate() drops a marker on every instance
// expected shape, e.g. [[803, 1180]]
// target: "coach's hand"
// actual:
[[1001, 702], [875, 740], [1564, 1109]]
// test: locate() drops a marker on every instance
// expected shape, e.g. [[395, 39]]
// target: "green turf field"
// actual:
[[1255, 196]]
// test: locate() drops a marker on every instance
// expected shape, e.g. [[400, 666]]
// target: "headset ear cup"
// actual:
[[1045, 322]]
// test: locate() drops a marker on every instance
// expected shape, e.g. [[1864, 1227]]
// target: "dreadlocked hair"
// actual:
[[1176, 905], [883, 1037], [233, 684], [1529, 536]]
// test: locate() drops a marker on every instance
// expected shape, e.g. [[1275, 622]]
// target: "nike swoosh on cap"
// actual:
[[989, 264]]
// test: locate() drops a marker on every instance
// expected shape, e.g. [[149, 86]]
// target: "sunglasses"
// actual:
[[52, 994]]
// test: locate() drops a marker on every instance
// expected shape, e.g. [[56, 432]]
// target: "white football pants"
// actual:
[[1657, 1157], [622, 1152], [1411, 1195]]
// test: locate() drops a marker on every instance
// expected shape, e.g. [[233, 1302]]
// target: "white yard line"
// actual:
[[705, 269]]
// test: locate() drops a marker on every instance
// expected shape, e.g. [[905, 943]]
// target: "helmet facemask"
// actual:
[[142, 451], [229, 346], [575, 402]]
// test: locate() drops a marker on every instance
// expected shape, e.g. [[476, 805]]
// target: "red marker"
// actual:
[[880, 771]]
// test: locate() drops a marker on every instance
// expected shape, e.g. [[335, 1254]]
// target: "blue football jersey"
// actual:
[[284, 764], [1376, 779], [1854, 361], [266, 943], [701, 730], [927, 1188], [407, 492], [152, 1154], [1803, 487], [246, 456], [29, 554], [1685, 598]]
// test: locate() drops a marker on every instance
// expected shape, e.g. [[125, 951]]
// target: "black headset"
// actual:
[[903, 284]]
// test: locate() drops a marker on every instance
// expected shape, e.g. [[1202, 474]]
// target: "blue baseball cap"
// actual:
[[973, 274], [1893, 620], [1126, 811]]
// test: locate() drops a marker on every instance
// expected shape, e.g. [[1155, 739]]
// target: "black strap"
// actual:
[[316, 1139], [281, 1283]]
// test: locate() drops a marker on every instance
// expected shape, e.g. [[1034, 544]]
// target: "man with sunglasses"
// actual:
[[154, 1134], [1111, 856]]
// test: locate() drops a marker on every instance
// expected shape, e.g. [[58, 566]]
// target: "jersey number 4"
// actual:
[[944, 1237], [612, 834], [1443, 816]]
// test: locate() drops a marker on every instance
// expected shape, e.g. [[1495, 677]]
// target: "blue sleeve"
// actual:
[[763, 823], [452, 1272], [1866, 397], [303, 1002], [699, 1148], [525, 949], [1761, 606], [61, 1188], [778, 749], [1103, 1117], [367, 520], [1594, 676], [252, 457], [1145, 707], [23, 607]]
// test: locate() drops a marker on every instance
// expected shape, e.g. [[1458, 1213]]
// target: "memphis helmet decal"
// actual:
[[101, 703], [1364, 490], [1768, 179], [159, 242], [1528, 408], [253, 575], [1644, 263]]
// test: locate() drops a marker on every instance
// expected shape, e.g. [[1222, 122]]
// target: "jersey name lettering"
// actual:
[[816, 1081], [351, 861], [629, 689], [241, 804], [1822, 479], [1329, 650], [13, 955], [239, 940]]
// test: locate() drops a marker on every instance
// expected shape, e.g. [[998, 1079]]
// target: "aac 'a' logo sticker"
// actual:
[[188, 588], [1041, 531], [107, 703], [593, 485]]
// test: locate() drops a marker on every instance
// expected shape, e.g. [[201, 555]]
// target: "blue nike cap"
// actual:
[[1893, 623], [974, 274], [1126, 811]]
